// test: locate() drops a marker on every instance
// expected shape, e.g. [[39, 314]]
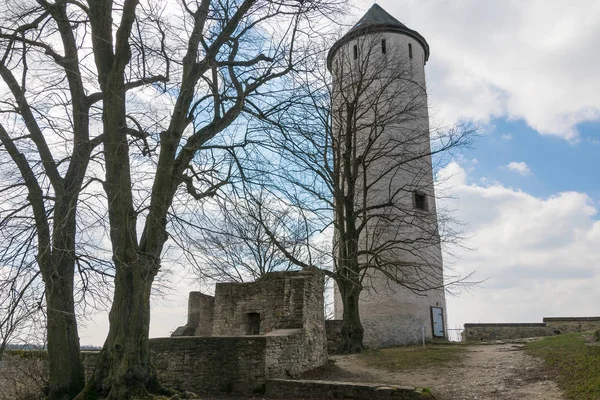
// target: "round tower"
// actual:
[[379, 98]]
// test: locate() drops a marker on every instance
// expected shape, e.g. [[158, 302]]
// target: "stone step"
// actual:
[[285, 388]]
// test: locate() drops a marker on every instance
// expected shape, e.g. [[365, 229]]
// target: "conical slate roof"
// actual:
[[377, 20], [377, 16]]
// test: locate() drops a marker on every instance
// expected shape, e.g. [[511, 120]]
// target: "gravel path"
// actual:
[[498, 371]]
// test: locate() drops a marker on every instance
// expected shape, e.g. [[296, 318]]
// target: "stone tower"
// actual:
[[378, 73]]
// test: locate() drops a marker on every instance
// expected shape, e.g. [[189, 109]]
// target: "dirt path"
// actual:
[[499, 371]]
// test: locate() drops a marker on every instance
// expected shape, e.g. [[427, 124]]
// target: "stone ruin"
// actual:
[[247, 333]]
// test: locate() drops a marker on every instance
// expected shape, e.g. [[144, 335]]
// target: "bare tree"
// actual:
[[144, 100], [358, 149], [229, 245], [45, 133], [20, 305]]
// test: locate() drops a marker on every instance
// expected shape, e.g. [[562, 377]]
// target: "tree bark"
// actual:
[[67, 376], [352, 329], [123, 370], [65, 367]]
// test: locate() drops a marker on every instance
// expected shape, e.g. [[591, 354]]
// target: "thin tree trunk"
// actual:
[[2, 348], [352, 329], [123, 370], [65, 367]]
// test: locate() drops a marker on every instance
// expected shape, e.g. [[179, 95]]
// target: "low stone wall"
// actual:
[[572, 324], [550, 326], [210, 364], [229, 364], [333, 328], [485, 332], [283, 388]]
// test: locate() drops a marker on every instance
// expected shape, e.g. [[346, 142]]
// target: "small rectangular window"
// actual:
[[410, 50], [355, 52], [253, 323], [420, 201], [383, 48]]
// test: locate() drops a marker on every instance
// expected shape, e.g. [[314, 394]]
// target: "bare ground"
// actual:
[[496, 371]]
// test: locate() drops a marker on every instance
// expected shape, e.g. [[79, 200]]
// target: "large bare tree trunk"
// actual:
[[65, 367], [352, 329], [66, 371], [123, 370]]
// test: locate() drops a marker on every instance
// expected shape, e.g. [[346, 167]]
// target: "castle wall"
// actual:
[[210, 364], [291, 339], [550, 326], [333, 327], [200, 313], [486, 332], [313, 321], [228, 364], [200, 316], [279, 298], [572, 324]]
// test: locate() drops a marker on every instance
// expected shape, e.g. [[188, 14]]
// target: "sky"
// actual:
[[527, 193]]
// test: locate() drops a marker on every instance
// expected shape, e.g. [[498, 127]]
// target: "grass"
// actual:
[[411, 357], [575, 361]]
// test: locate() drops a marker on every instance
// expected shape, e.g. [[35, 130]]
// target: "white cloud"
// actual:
[[506, 136], [534, 60], [519, 167], [540, 254]]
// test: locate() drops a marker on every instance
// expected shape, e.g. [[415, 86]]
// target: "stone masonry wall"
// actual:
[[200, 313], [333, 327], [285, 354], [485, 332], [277, 297], [284, 388], [200, 316], [290, 341], [315, 335], [210, 364], [572, 324], [550, 326], [226, 364]]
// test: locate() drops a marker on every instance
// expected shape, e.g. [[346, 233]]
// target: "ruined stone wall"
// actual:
[[286, 355], [550, 326], [290, 341], [210, 364], [200, 316], [572, 324], [200, 313], [333, 327], [277, 297], [305, 389], [315, 335], [485, 332]]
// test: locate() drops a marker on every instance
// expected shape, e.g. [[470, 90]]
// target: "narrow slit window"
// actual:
[[355, 52], [410, 55], [383, 47]]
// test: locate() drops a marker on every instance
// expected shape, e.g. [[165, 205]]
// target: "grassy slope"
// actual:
[[576, 363], [411, 357]]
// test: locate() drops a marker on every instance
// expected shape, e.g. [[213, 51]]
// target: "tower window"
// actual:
[[383, 48], [355, 52], [410, 50], [420, 201]]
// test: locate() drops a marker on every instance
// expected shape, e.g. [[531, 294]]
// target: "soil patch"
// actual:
[[495, 371]]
